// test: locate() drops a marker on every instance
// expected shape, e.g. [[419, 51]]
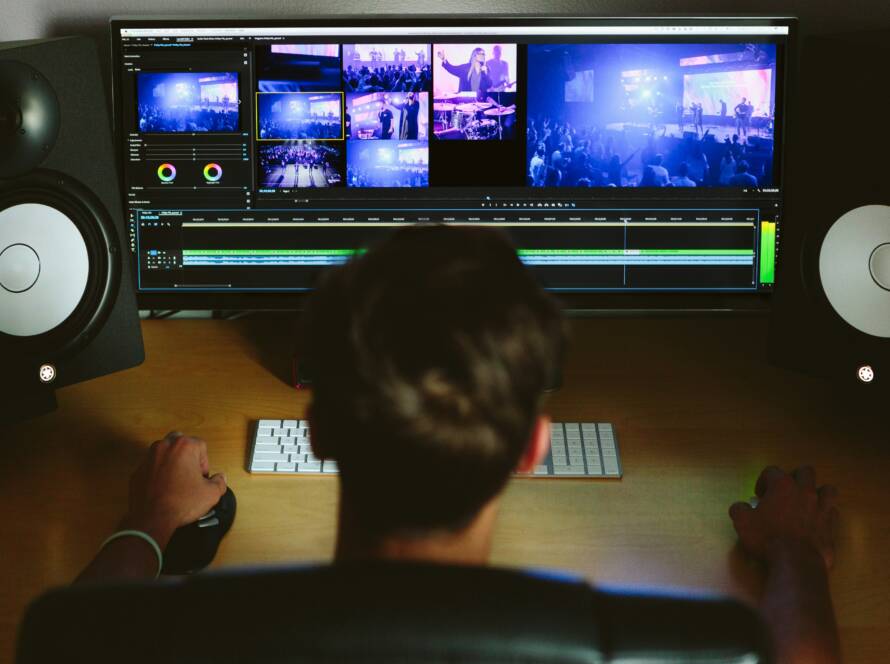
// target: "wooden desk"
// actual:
[[697, 409]]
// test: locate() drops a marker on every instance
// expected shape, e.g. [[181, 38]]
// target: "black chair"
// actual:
[[383, 612]]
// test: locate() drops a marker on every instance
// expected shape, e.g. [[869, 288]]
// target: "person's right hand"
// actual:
[[173, 487], [441, 55], [791, 511]]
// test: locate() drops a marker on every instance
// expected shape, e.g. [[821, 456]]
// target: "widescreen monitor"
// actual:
[[635, 163]]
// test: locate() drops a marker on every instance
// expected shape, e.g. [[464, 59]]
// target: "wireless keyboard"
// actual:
[[585, 449]]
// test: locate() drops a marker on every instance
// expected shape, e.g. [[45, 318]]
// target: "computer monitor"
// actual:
[[636, 163]]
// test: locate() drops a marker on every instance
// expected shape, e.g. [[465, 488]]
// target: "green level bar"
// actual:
[[521, 252], [767, 252], [634, 252], [270, 252]]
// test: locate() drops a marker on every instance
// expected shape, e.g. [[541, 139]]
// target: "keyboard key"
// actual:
[[286, 467], [308, 467], [280, 432], [329, 467], [287, 440], [290, 424], [264, 431], [568, 470], [267, 440], [262, 466], [270, 456], [541, 470], [267, 448], [270, 423]]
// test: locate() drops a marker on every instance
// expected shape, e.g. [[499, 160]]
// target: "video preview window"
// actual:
[[301, 165], [298, 68], [299, 115], [474, 92], [386, 68], [388, 115], [388, 164], [187, 102], [651, 115]]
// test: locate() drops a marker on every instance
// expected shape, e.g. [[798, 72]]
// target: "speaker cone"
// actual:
[[29, 118], [59, 264], [854, 266]]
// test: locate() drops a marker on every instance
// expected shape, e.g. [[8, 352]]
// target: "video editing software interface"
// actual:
[[635, 156]]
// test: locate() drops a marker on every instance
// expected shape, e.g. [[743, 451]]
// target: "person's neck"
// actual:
[[470, 546]]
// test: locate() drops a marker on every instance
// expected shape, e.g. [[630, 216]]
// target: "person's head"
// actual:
[[496, 51], [657, 160], [742, 167], [683, 169], [411, 97], [430, 355], [478, 56], [648, 178]]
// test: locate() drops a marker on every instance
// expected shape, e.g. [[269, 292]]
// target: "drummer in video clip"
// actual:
[[472, 76]]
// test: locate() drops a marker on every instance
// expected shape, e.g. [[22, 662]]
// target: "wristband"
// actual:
[[141, 535]]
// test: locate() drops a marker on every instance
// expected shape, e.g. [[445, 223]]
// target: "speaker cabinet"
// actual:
[[831, 309], [67, 304]]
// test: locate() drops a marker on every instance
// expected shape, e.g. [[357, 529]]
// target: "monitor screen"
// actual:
[[633, 156]]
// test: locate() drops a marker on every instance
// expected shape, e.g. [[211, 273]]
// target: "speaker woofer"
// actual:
[[29, 118], [852, 266], [56, 291]]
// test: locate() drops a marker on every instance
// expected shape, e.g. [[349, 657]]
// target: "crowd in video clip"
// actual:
[[388, 116], [474, 92], [390, 164], [386, 68], [299, 115], [301, 164], [180, 102], [651, 115]]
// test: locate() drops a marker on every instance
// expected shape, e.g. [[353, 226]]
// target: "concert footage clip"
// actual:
[[651, 115], [388, 116], [386, 67], [299, 115], [301, 164], [180, 102], [474, 92]]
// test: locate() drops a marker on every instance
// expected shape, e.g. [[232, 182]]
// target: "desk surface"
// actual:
[[697, 410]]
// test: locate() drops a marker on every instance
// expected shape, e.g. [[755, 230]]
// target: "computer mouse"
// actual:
[[193, 547]]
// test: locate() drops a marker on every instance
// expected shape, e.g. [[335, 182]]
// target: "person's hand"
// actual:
[[172, 487], [791, 512], [441, 55]]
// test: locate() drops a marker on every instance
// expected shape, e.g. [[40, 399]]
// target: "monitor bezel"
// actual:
[[596, 302]]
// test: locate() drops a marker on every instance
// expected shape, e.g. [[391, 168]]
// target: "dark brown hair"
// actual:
[[429, 357]]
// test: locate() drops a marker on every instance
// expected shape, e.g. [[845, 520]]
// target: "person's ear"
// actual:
[[537, 447]]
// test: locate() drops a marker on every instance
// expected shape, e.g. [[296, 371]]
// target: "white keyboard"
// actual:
[[585, 449]]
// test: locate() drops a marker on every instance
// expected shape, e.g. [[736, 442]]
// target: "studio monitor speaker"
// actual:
[[67, 304], [831, 309]]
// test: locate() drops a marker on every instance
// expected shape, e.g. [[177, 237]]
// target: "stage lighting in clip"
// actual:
[[167, 172]]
